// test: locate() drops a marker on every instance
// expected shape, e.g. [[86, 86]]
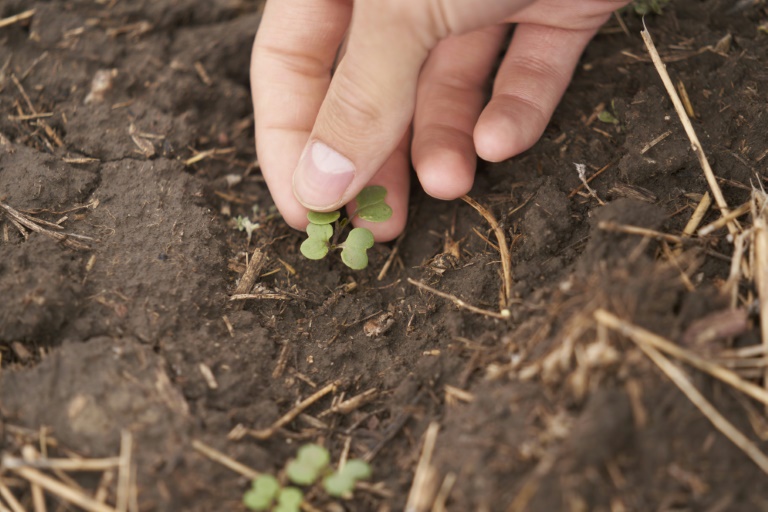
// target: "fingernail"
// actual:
[[322, 176]]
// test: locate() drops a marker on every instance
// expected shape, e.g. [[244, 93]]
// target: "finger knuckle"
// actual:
[[296, 62], [440, 18], [355, 107], [540, 70], [426, 21]]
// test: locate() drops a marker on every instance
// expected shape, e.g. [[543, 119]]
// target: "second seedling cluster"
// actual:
[[312, 464]]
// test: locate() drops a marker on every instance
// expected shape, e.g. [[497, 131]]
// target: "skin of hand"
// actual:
[[409, 87]]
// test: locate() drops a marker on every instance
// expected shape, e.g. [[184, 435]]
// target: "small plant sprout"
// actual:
[[310, 462], [643, 7], [311, 465], [262, 493], [325, 229], [267, 494], [245, 224], [608, 115], [342, 483], [289, 500]]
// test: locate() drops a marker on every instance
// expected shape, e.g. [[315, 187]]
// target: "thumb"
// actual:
[[366, 111]]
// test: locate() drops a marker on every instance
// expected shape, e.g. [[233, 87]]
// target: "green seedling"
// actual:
[[325, 229], [266, 492], [254, 222], [262, 493], [607, 117], [354, 254], [245, 224], [371, 205], [312, 464], [643, 7], [342, 482], [289, 500]]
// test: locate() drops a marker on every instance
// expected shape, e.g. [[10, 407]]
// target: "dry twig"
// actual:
[[738, 264], [57, 488], [759, 214], [637, 230], [424, 484], [725, 219], [698, 215], [226, 461], [260, 296], [506, 262], [655, 141], [444, 492], [10, 462], [733, 226], [202, 155], [239, 431], [589, 180], [40, 122], [124, 470], [9, 498], [647, 338], [504, 315], [347, 406], [38, 496], [391, 257], [18, 219], [678, 377], [248, 279], [17, 18], [30, 117], [581, 170]]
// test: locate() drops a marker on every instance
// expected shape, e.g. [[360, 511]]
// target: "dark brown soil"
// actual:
[[119, 336]]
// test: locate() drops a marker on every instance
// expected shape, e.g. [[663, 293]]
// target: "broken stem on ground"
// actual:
[[240, 431], [661, 68], [678, 377], [504, 315], [506, 262]]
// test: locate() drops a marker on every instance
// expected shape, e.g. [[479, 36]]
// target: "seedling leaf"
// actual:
[[644, 7], [263, 492], [245, 224], [314, 456], [320, 231], [338, 485], [316, 246], [354, 258], [300, 473], [371, 205], [323, 217], [267, 484], [359, 238], [289, 500], [255, 501], [371, 195], [354, 254], [356, 469], [375, 212], [607, 117]]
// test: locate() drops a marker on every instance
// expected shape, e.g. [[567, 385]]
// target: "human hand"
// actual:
[[408, 66]]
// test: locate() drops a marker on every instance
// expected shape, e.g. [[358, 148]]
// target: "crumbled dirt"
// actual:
[[134, 332]]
